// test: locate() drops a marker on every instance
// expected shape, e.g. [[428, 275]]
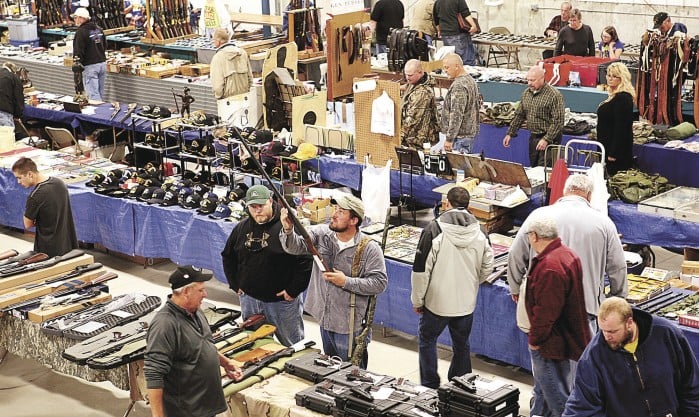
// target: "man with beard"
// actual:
[[638, 365], [267, 279], [356, 271]]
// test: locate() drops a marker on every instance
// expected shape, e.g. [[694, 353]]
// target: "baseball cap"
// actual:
[[82, 12], [222, 212], [200, 189], [659, 18], [350, 202], [96, 180], [185, 275], [192, 201], [136, 191], [169, 199], [157, 197], [207, 206], [305, 151], [257, 194]]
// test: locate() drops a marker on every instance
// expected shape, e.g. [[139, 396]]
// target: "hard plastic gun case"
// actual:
[[310, 367], [421, 405], [489, 399], [320, 397], [350, 405]]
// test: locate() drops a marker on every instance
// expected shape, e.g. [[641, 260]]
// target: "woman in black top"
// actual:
[[615, 119]]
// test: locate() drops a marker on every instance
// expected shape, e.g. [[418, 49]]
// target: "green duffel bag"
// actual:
[[681, 131]]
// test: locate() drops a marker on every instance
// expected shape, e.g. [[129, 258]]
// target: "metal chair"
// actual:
[[63, 140], [499, 55]]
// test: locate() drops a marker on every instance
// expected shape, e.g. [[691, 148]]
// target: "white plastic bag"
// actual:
[[376, 191]]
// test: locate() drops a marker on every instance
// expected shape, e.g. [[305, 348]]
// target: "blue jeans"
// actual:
[[463, 46], [6, 119], [93, 79], [462, 145], [429, 329], [552, 384], [286, 316], [337, 344]]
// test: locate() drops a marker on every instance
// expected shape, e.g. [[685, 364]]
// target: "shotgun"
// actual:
[[253, 367], [117, 109], [131, 107], [8, 254], [297, 224], [79, 270], [45, 263]]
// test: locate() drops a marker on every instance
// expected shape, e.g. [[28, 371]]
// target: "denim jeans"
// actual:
[[93, 79], [429, 329], [337, 344], [463, 46], [286, 316], [6, 119], [462, 145], [552, 384]]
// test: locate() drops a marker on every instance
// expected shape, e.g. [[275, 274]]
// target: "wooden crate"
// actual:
[[158, 71], [195, 70]]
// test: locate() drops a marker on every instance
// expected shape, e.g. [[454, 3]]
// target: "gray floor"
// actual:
[[32, 390]]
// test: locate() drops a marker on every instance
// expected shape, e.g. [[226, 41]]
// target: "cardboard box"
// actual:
[[39, 315], [195, 70], [318, 210], [158, 71], [690, 267]]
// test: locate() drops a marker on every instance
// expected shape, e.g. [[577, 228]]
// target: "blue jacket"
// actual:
[[662, 381]]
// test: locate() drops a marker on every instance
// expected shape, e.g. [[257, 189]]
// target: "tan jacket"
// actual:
[[230, 71], [422, 17]]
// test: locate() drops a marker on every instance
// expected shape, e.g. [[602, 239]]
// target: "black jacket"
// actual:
[[254, 261], [89, 44], [11, 93]]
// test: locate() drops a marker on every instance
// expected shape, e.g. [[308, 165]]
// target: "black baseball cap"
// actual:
[[170, 198], [157, 197], [136, 191], [185, 275], [146, 194], [192, 201]]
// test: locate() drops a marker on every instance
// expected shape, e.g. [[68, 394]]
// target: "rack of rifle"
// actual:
[[167, 20], [664, 62], [108, 14], [52, 13]]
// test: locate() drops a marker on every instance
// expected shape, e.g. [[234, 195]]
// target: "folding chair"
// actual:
[[508, 54], [62, 140]]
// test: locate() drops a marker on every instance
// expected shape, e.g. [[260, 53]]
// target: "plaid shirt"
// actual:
[[544, 112], [460, 114]]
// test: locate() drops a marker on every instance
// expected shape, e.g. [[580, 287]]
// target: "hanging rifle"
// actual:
[[8, 254], [36, 265], [297, 224], [148, 24], [253, 367]]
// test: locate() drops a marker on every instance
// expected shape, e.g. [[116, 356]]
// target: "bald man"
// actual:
[[418, 110], [460, 123], [543, 108]]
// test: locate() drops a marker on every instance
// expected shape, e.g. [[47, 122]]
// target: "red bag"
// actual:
[[588, 67], [558, 69]]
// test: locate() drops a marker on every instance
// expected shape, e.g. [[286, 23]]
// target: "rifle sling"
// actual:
[[356, 263]]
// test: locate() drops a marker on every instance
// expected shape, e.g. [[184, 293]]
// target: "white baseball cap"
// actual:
[[82, 12]]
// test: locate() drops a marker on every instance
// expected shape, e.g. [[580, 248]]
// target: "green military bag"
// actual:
[[634, 186], [681, 131]]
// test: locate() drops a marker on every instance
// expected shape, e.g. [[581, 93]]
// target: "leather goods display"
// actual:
[[314, 366], [465, 26], [588, 68], [96, 319], [473, 395], [106, 341], [403, 45]]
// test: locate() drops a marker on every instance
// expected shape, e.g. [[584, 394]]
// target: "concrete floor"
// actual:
[[28, 389]]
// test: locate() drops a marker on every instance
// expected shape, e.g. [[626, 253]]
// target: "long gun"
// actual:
[[79, 270], [36, 257], [45, 263], [13, 260], [129, 111], [253, 367], [297, 224], [117, 109], [8, 254], [35, 302], [174, 96], [264, 331]]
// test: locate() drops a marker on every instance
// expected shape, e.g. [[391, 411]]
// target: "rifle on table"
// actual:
[[79, 270], [14, 259], [264, 331], [45, 263], [297, 224], [117, 109], [8, 254], [68, 299], [33, 258], [129, 110], [251, 368]]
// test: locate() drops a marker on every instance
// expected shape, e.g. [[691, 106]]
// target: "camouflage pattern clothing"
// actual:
[[460, 114], [419, 114]]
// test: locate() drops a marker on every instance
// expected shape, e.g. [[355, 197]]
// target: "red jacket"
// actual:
[[556, 305]]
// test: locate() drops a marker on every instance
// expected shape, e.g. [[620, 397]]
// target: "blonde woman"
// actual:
[[615, 119]]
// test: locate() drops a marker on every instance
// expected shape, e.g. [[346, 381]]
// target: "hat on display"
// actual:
[[115, 174], [96, 180], [185, 275], [188, 174], [192, 201], [146, 194], [222, 212], [182, 195], [257, 194], [202, 177], [238, 192], [261, 136], [136, 191], [305, 151], [185, 183], [157, 197], [169, 199], [207, 206], [117, 192], [200, 189], [82, 12], [221, 178], [659, 18], [350, 202]]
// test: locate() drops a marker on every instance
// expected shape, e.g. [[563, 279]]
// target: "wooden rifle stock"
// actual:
[[297, 224], [253, 367], [264, 331], [37, 257], [8, 254], [13, 260]]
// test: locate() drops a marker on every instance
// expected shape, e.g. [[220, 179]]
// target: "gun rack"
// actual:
[[304, 30], [166, 21]]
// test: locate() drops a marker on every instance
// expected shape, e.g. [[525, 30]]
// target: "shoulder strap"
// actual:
[[356, 263]]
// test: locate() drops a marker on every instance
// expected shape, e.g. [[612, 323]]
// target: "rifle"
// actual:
[[35, 302], [16, 258], [129, 109], [44, 263], [253, 367], [79, 270], [174, 96], [264, 331], [68, 299], [297, 224], [148, 24], [34, 258], [117, 109], [8, 254]]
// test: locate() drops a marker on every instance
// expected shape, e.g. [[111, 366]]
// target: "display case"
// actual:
[[667, 203]]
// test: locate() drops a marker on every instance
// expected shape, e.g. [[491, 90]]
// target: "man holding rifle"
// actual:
[[48, 209], [352, 270]]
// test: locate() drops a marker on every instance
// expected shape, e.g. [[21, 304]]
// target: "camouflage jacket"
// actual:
[[419, 122]]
